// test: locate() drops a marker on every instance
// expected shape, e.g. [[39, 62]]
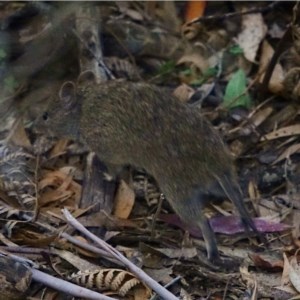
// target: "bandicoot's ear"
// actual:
[[88, 77], [67, 93]]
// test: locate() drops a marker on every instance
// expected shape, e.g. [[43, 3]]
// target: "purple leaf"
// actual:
[[226, 225]]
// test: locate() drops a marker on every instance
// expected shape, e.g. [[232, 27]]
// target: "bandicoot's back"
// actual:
[[144, 126]]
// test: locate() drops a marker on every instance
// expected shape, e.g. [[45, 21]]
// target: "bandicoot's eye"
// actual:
[[45, 116]]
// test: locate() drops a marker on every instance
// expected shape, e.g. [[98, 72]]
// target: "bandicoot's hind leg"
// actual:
[[210, 240], [196, 214], [232, 191]]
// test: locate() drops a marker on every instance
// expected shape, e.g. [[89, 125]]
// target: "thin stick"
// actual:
[[66, 287], [165, 294]]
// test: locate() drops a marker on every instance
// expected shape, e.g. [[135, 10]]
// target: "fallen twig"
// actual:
[[165, 294], [66, 287]]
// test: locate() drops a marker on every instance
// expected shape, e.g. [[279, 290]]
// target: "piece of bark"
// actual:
[[97, 190], [87, 30]]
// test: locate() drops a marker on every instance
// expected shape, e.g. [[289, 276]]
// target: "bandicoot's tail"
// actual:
[[234, 193]]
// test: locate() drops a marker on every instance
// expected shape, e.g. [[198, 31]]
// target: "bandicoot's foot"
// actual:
[[216, 263]]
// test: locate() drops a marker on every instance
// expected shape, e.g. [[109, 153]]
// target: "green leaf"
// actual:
[[236, 50], [236, 93]]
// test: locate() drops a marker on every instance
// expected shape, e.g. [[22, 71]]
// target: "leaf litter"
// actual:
[[227, 50]]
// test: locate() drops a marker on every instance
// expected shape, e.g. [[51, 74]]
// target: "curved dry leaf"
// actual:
[[294, 273], [62, 187], [54, 196], [19, 136], [287, 152], [183, 92], [51, 179], [276, 80], [254, 30], [124, 201], [281, 117], [34, 239], [59, 148], [282, 132], [60, 179], [253, 190], [261, 116], [286, 270], [195, 59]]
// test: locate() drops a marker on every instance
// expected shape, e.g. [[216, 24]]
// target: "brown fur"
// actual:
[[144, 126]]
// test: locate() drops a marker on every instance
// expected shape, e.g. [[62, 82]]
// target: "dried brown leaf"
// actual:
[[124, 201], [19, 137], [287, 153], [59, 148], [276, 81], [266, 262], [282, 132], [54, 196], [195, 59], [62, 188], [294, 273], [35, 239], [183, 92], [261, 115], [253, 32], [286, 270]]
